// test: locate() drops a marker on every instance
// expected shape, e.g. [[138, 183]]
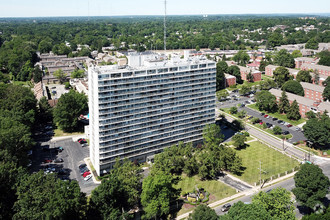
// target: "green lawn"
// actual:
[[58, 133], [279, 116], [217, 189], [272, 162], [264, 77]]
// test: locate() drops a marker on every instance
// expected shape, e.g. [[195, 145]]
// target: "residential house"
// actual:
[[229, 80]]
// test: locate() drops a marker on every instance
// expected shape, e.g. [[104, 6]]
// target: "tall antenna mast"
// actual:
[[165, 27]]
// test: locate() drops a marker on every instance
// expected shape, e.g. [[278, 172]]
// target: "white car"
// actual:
[[88, 177]]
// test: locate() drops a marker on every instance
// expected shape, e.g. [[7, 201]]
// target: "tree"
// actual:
[[43, 196], [78, 73], [241, 114], [246, 211], [69, 107], [275, 39], [281, 75], [222, 94], [245, 89], [326, 92], [235, 71], [293, 113], [277, 130], [222, 67], [317, 130], [241, 58], [296, 54], [37, 74], [284, 104], [45, 111], [312, 44], [203, 212], [263, 64], [255, 120], [324, 58], [233, 110], [238, 124], [277, 203], [310, 114], [326, 82], [304, 76], [212, 135], [157, 194], [60, 75], [316, 77], [294, 87], [266, 101], [239, 140], [311, 185], [284, 59], [249, 77]]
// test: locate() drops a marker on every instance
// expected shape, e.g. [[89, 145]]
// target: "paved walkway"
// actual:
[[241, 194]]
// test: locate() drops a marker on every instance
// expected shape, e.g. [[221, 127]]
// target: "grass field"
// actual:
[[58, 132], [217, 190], [279, 116], [272, 162]]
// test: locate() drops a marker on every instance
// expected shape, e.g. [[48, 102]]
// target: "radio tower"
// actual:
[[165, 27]]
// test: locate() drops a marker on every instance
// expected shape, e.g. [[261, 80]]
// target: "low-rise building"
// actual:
[[269, 70], [246, 70], [312, 91], [322, 70], [304, 60], [230, 80], [305, 104], [39, 90]]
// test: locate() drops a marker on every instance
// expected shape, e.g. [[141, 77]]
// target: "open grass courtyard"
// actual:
[[272, 162]]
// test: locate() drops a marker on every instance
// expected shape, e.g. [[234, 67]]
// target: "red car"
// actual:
[[289, 125], [82, 140], [261, 122], [48, 161], [86, 174], [265, 116]]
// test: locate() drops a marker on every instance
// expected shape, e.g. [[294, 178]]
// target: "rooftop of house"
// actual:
[[292, 97], [308, 59], [228, 76], [315, 67], [324, 106], [313, 87]]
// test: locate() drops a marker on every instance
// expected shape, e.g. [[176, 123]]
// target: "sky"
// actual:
[[47, 8]]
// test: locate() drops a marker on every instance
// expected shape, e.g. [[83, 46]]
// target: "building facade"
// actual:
[[299, 61], [312, 91], [230, 80], [137, 111]]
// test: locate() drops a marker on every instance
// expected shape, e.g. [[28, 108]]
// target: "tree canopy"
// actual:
[[294, 87], [304, 76], [284, 58], [284, 104], [203, 212], [266, 101], [281, 75], [293, 112], [222, 67]]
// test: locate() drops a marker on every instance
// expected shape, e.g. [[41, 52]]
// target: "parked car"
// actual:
[[285, 132], [86, 173], [88, 177], [84, 145], [298, 129], [59, 149], [250, 117], [242, 105], [261, 122], [269, 125], [275, 119], [265, 116], [83, 170], [289, 125], [82, 166], [82, 140], [63, 172], [262, 113], [225, 207], [58, 160], [47, 160]]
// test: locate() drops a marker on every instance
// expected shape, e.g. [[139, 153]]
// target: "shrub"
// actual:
[[247, 134], [192, 200]]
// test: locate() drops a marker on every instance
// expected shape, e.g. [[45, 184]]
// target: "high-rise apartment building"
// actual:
[[137, 110]]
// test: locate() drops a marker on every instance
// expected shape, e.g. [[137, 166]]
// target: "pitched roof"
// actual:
[[292, 97], [315, 67], [313, 87], [324, 106]]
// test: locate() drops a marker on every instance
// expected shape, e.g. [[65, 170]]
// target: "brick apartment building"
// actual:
[[304, 60], [312, 91], [269, 70], [245, 71], [305, 104], [323, 70], [229, 80]]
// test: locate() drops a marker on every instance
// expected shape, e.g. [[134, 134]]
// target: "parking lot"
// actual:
[[296, 135], [73, 154]]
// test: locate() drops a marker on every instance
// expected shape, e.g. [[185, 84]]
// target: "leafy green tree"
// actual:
[[296, 54], [249, 77], [4, 78], [212, 135], [68, 109], [191, 166], [246, 211], [45, 45], [47, 197], [293, 113], [245, 89], [318, 216], [324, 58], [277, 203], [222, 94], [37, 74], [284, 104], [233, 110], [241, 114], [60, 75], [294, 87], [26, 72], [316, 77], [263, 64], [238, 124], [326, 92], [266, 101], [304, 76], [241, 58], [203, 212], [222, 67], [78, 73], [275, 39], [310, 114], [255, 120], [277, 130], [61, 49], [239, 140], [284, 59], [235, 71], [281, 75], [45, 111], [317, 130], [311, 185], [157, 194], [312, 44]]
